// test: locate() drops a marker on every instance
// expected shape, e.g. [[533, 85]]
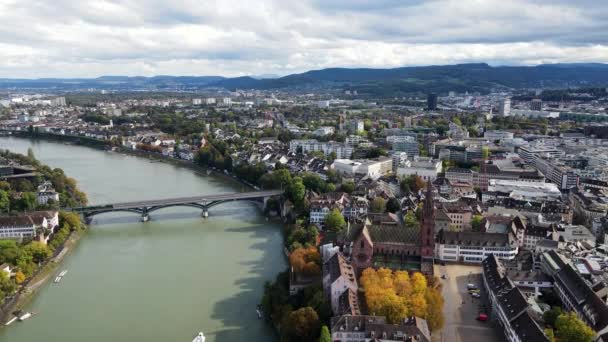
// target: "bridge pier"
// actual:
[[205, 213], [145, 217]]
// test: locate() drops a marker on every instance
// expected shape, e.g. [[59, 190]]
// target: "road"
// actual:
[[460, 319]]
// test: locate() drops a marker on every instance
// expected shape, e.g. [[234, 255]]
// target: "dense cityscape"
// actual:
[[413, 191], [311, 171]]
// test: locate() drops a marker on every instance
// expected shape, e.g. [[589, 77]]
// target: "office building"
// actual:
[[431, 102]]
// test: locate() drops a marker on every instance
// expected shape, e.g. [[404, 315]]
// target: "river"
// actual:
[[163, 280]]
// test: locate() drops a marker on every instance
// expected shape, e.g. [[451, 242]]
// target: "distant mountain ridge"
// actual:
[[437, 78]]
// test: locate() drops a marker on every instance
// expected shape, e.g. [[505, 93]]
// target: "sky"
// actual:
[[82, 38]]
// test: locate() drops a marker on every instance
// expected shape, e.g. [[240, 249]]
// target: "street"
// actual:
[[460, 319]]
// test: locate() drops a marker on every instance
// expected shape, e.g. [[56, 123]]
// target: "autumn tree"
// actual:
[[19, 277], [302, 325], [306, 261], [397, 295]]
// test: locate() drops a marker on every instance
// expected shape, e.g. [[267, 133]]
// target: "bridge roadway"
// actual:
[[204, 202]]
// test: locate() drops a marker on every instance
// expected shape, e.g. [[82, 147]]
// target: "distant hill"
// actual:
[[376, 82]]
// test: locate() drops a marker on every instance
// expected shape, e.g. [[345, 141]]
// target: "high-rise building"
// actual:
[[431, 101], [504, 108], [536, 104]]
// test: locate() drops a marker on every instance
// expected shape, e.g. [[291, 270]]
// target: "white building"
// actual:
[[226, 101], [197, 102], [323, 131], [426, 168], [46, 193], [210, 100], [534, 113], [497, 135], [357, 126], [323, 104], [374, 168], [522, 190], [341, 150], [473, 247], [26, 226]]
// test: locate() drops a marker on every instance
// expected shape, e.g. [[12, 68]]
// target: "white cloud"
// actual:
[[64, 38]]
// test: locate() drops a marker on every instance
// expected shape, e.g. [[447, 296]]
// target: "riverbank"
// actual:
[[30, 289], [104, 145]]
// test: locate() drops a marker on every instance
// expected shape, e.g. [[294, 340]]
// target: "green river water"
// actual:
[[162, 280]]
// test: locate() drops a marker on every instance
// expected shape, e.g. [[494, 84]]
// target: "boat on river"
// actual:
[[57, 280], [199, 338], [63, 273], [25, 316], [11, 321]]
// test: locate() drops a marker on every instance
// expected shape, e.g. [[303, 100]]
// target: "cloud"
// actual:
[[89, 38]]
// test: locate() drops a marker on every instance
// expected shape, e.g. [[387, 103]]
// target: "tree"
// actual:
[[434, 310], [19, 277], [550, 316], [348, 187], [334, 221], [28, 201], [476, 222], [485, 152], [296, 192], [393, 205], [306, 261], [325, 335], [569, 328], [5, 202], [378, 205], [302, 325], [38, 251]]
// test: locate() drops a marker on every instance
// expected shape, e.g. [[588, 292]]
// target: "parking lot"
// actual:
[[461, 309]]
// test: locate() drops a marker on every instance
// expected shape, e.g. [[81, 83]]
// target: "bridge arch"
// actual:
[[99, 212], [192, 205]]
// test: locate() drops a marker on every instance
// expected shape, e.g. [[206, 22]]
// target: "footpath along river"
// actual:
[[163, 280]]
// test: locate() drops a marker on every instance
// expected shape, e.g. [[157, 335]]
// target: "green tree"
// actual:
[[296, 192], [38, 251], [485, 152], [378, 205], [302, 325], [348, 187], [569, 328], [550, 316], [476, 222], [325, 335], [392, 205], [5, 202], [334, 221], [28, 201]]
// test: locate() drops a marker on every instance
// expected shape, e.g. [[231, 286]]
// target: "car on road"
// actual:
[[475, 295], [482, 317], [471, 286]]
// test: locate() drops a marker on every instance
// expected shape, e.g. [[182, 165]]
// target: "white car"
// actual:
[[475, 295]]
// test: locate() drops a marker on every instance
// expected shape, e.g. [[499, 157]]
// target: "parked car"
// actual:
[[471, 286], [475, 295], [482, 317]]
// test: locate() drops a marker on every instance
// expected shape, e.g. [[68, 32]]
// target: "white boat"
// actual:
[[199, 338], [25, 316], [58, 279], [64, 272], [11, 321]]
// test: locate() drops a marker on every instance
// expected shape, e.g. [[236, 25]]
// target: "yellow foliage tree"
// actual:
[[19, 277], [397, 295], [306, 261]]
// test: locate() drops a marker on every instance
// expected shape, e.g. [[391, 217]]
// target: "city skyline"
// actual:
[[147, 38]]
